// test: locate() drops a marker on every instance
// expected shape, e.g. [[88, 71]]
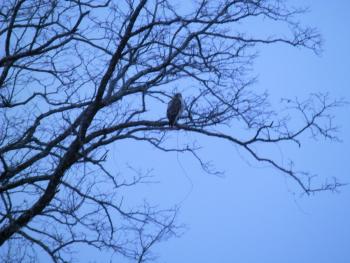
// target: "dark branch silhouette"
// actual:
[[77, 76]]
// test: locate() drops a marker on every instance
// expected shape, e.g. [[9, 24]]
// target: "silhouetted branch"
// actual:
[[78, 76]]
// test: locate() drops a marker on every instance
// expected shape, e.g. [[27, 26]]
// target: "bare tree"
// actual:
[[77, 76]]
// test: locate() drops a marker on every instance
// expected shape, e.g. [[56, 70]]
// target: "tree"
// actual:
[[78, 76]]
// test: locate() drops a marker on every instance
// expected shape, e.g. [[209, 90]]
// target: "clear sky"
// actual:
[[254, 214]]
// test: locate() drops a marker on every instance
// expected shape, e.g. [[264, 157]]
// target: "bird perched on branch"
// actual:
[[175, 109]]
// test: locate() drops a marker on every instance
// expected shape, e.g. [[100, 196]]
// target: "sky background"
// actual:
[[254, 213]]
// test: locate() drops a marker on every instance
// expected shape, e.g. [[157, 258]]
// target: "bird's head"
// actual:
[[178, 95]]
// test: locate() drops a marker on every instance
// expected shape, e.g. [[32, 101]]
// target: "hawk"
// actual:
[[175, 109]]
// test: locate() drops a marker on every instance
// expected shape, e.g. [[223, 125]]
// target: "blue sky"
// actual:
[[256, 214]]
